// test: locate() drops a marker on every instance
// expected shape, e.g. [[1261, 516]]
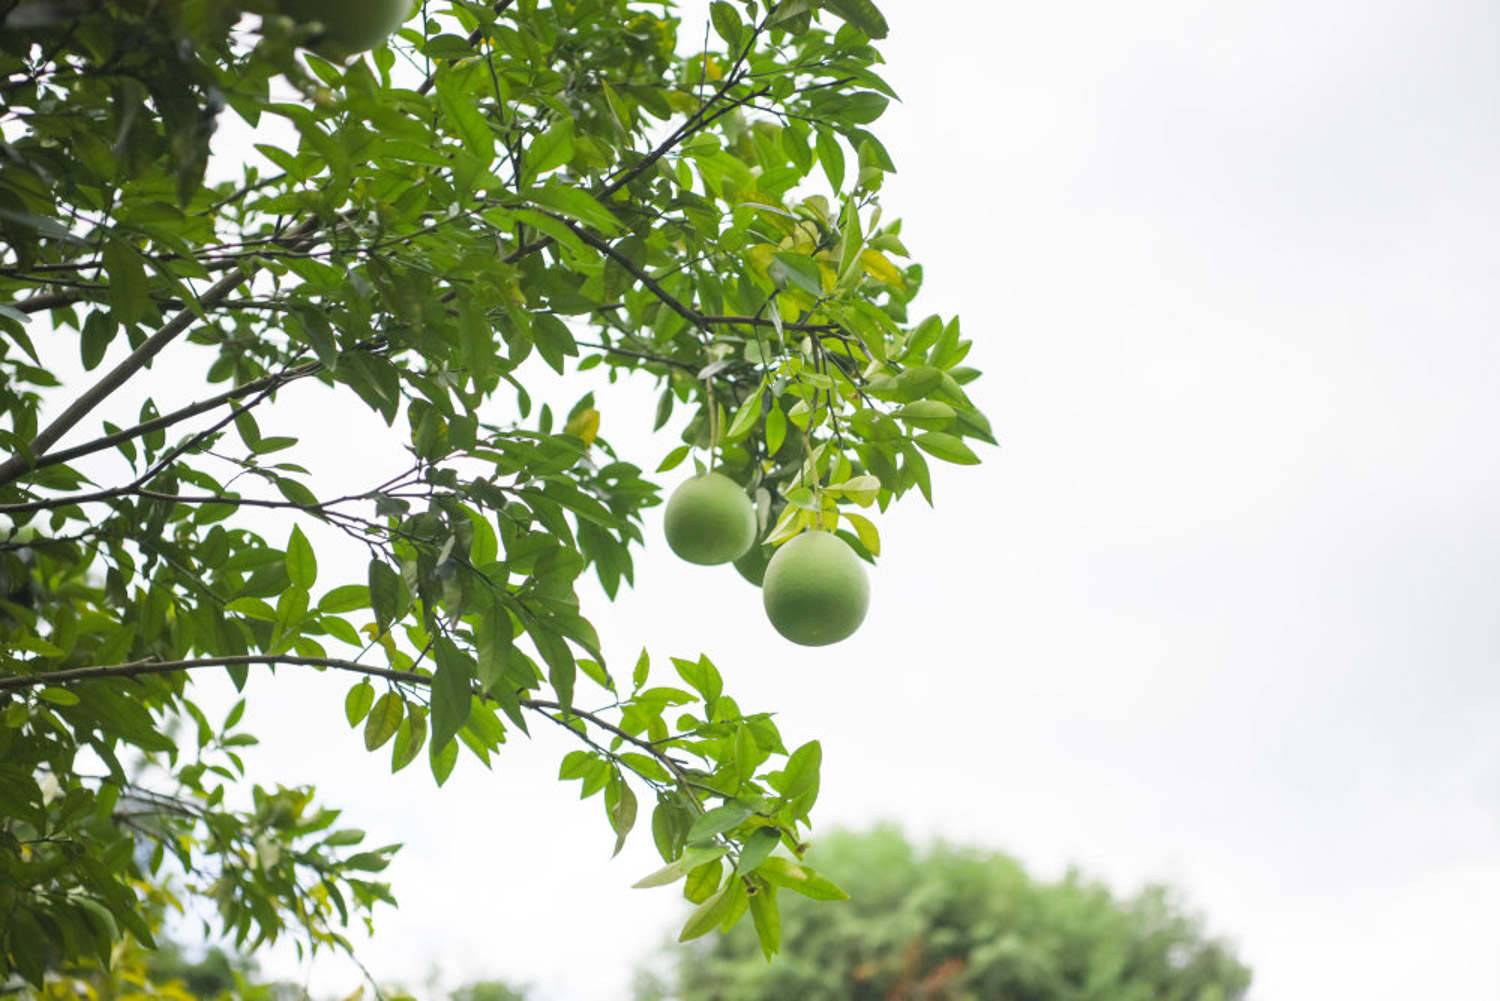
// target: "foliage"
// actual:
[[164, 973], [169, 973], [503, 186], [488, 990], [952, 924]]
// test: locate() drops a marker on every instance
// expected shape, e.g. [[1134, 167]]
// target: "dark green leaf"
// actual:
[[451, 692]]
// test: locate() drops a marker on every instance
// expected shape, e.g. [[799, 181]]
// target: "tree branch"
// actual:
[[17, 465], [760, 321], [176, 416], [146, 668]]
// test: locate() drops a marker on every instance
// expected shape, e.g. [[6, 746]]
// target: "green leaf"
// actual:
[[727, 24], [98, 331], [575, 203], [642, 670], [344, 838], [800, 776], [387, 593], [554, 341], [442, 759], [713, 911], [947, 447], [58, 696], [622, 815], [549, 150], [296, 492], [801, 878], [931, 415], [596, 672], [410, 737], [381, 724], [665, 876], [493, 638], [757, 849], [775, 430], [862, 490], [746, 416], [484, 547], [301, 562], [674, 458], [766, 915], [831, 156], [462, 112], [251, 608], [561, 668], [869, 535], [702, 675], [357, 703], [799, 270], [128, 291], [717, 821], [345, 598], [863, 14], [702, 881], [452, 695]]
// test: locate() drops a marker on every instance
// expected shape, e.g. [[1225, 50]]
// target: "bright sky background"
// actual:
[[1222, 610]]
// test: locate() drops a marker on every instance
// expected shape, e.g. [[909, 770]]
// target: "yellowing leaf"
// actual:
[[791, 523], [759, 257], [862, 490], [869, 537], [584, 425], [879, 267]]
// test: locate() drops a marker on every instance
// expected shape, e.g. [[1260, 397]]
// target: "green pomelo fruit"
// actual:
[[709, 520], [752, 566], [815, 590], [349, 26]]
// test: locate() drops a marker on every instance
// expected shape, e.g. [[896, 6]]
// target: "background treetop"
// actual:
[[949, 923]]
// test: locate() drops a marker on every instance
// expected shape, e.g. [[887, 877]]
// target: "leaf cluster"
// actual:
[[502, 186]]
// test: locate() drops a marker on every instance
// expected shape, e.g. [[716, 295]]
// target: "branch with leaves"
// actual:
[[495, 188]]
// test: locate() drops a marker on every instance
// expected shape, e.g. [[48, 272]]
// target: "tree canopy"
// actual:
[[953, 924], [497, 189]]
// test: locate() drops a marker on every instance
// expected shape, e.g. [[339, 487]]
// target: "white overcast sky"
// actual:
[[1222, 609]]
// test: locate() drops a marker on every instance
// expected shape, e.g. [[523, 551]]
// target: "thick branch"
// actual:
[[17, 465], [641, 275], [760, 321], [145, 668], [176, 416]]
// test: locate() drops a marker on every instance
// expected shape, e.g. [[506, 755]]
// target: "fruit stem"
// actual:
[[713, 425]]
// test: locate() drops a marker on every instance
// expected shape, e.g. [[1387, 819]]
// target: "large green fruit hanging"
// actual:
[[709, 520], [815, 590]]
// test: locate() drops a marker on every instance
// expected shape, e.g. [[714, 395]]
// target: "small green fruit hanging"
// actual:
[[815, 590], [752, 566], [709, 520], [349, 26]]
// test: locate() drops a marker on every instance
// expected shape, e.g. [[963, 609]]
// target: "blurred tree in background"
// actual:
[[955, 924], [950, 924]]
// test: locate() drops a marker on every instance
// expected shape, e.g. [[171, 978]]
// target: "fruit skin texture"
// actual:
[[815, 590], [709, 520], [351, 25]]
